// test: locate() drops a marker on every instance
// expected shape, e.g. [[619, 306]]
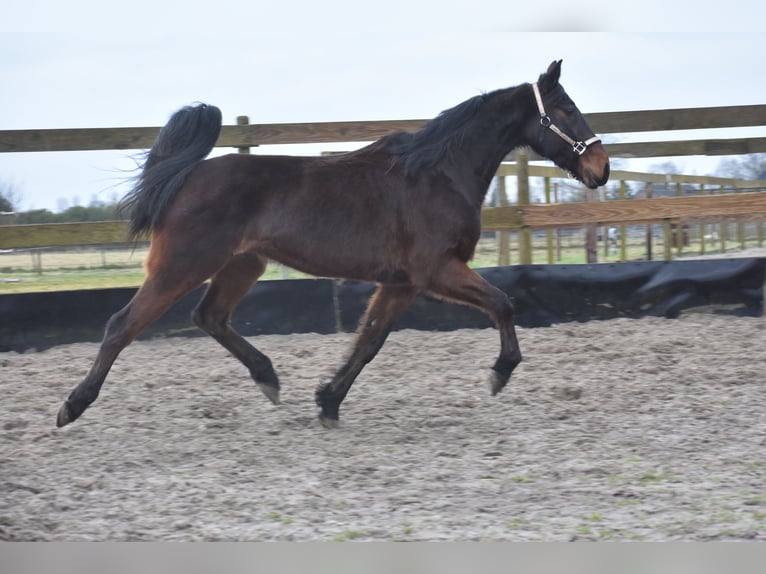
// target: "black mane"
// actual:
[[434, 141]]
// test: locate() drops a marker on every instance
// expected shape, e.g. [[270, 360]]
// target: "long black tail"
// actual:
[[188, 137]]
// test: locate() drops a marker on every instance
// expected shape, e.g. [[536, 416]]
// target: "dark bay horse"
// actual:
[[403, 212]]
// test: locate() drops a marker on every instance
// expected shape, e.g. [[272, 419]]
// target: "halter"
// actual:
[[578, 147]]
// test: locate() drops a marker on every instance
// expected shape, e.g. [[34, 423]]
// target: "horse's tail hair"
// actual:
[[188, 137]]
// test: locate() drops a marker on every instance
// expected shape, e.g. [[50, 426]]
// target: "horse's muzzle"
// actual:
[[593, 179]]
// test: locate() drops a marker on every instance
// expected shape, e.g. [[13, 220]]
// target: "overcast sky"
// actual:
[[87, 63]]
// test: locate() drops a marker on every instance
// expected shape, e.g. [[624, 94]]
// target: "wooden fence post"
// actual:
[[243, 121], [667, 234], [741, 232], [37, 261], [702, 225], [623, 228], [679, 238], [558, 230], [591, 243], [722, 228], [605, 226], [525, 233], [548, 232], [649, 189], [504, 236]]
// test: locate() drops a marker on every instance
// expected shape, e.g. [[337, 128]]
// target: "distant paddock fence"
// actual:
[[720, 204], [724, 212]]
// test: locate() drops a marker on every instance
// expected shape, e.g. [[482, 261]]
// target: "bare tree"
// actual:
[[666, 167], [10, 197], [749, 166]]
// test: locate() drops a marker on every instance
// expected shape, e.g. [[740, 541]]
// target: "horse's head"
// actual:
[[560, 133]]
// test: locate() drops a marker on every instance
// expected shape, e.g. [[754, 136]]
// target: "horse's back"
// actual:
[[332, 216]]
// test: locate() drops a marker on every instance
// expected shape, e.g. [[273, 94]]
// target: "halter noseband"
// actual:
[[578, 147]]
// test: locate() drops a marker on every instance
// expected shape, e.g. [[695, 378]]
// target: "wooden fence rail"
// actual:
[[749, 205], [63, 234], [242, 136], [625, 211], [522, 217], [511, 169]]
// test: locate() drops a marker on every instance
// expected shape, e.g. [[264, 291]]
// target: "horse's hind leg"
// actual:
[[458, 283], [213, 314], [151, 300], [385, 306]]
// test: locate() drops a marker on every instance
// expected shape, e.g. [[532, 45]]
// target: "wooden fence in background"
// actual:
[[719, 200], [243, 135], [523, 216]]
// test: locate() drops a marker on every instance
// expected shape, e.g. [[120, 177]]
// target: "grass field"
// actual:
[[94, 268]]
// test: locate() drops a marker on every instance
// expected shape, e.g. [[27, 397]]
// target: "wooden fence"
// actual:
[[727, 200], [243, 135], [523, 216]]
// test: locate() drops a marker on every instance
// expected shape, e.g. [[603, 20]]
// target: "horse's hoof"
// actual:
[[496, 382], [64, 416], [327, 422], [271, 392]]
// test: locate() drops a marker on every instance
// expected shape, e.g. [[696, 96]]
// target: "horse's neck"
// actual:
[[489, 140]]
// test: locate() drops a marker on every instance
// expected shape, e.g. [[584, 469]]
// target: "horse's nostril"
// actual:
[[593, 179]]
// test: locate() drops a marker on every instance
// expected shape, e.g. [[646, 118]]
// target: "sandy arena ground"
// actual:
[[649, 429]]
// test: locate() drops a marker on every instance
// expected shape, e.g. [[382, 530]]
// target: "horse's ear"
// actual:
[[550, 78]]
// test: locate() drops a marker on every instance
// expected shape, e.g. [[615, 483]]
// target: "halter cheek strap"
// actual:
[[578, 147]]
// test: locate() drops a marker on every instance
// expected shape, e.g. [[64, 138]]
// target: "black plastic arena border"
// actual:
[[542, 294]]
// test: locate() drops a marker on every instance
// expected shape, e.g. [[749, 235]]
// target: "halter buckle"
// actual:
[[545, 121], [580, 147]]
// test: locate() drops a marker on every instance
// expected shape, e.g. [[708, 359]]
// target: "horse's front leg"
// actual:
[[457, 282], [385, 306]]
